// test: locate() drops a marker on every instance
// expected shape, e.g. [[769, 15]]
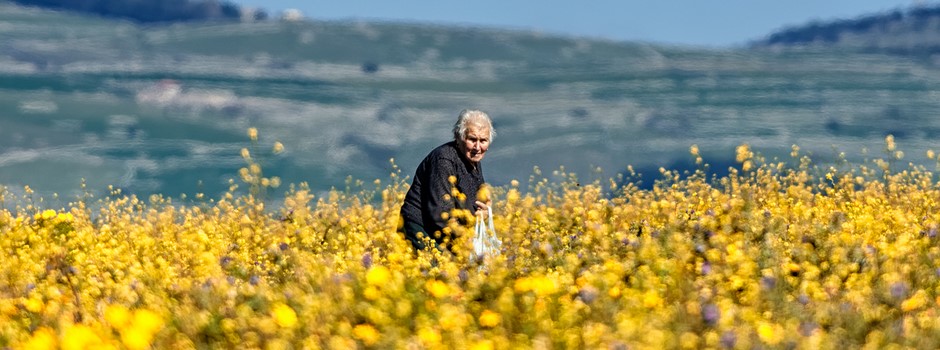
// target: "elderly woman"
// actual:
[[430, 193]]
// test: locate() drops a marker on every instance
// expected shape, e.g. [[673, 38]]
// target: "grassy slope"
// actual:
[[71, 87]]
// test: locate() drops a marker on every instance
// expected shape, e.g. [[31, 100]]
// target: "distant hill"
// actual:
[[164, 109], [914, 31], [150, 11]]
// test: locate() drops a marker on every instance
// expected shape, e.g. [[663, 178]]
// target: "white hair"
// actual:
[[472, 116]]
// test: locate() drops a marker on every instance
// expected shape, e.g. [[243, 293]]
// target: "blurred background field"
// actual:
[[163, 108]]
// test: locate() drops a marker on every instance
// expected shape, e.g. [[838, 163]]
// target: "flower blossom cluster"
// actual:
[[777, 254]]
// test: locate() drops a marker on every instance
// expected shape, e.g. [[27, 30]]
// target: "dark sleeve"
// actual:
[[437, 188]]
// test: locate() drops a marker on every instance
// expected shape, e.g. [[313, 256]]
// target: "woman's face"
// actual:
[[475, 143]]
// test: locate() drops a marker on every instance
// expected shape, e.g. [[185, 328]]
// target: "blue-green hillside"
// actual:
[[164, 109]]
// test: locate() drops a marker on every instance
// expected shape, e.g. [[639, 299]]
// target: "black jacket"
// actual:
[[425, 200]]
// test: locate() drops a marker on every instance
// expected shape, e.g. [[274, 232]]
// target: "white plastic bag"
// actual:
[[485, 242]]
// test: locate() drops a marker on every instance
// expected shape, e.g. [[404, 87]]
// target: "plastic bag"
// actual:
[[485, 242]]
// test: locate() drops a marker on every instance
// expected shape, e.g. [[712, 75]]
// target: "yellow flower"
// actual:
[[544, 286], [8, 308], [889, 143], [651, 299], [483, 345], [147, 321], [743, 153], [371, 293], [42, 339], [916, 301], [278, 344], [523, 285], [118, 316], [437, 288], [278, 148], [45, 215], [243, 173], [136, 338], [512, 195], [64, 217], [33, 305], [489, 318], [284, 315], [483, 194], [79, 337], [793, 268], [366, 333], [689, 340], [748, 165], [253, 134], [540, 285], [769, 333], [429, 336], [378, 275]]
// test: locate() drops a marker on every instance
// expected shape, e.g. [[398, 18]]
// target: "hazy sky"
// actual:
[[691, 22]]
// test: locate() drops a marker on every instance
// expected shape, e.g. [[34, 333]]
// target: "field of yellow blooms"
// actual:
[[778, 254]]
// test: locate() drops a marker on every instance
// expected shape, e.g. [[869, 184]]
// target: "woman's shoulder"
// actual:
[[445, 151]]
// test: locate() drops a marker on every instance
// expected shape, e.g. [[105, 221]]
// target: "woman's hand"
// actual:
[[482, 208]]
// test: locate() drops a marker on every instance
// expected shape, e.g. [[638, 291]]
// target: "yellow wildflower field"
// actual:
[[774, 255]]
